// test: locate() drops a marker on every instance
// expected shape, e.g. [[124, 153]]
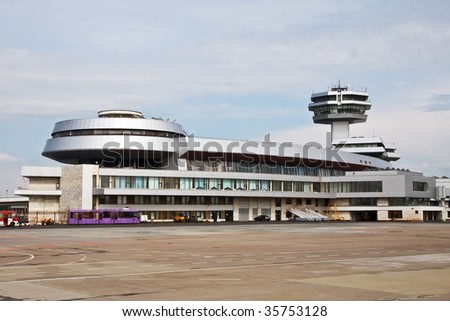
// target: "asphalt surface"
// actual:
[[220, 261]]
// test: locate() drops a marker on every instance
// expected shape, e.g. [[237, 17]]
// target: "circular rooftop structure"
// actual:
[[120, 114], [123, 138]]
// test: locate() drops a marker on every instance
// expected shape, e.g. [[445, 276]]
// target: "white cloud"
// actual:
[[7, 158], [66, 58]]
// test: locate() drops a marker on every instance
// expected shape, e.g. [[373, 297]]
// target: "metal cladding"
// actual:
[[99, 140], [126, 139]]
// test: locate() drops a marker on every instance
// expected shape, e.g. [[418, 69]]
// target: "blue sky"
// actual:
[[225, 69]]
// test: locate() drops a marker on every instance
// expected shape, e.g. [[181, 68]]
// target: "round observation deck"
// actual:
[[339, 104], [117, 138]]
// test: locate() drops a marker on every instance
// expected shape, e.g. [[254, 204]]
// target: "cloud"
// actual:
[[7, 158], [439, 102], [72, 59], [151, 56]]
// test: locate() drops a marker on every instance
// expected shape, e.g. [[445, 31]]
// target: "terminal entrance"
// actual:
[[364, 215], [432, 216]]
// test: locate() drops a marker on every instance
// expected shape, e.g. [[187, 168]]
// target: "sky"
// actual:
[[225, 69]]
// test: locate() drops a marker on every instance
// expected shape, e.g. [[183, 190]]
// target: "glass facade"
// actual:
[[353, 187], [261, 168], [187, 183]]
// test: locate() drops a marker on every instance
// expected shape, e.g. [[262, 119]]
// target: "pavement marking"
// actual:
[[211, 279], [31, 257], [216, 268], [189, 270]]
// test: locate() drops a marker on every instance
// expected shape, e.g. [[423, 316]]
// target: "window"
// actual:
[[265, 185], [254, 185], [170, 182], [199, 183], [298, 186], [240, 184], [363, 201], [153, 182], [104, 181], [307, 187], [227, 184], [395, 214], [185, 183], [138, 182], [420, 186], [121, 182], [276, 186], [214, 183], [287, 186]]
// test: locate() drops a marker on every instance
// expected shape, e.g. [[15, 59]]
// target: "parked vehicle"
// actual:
[[262, 218], [100, 216], [180, 218], [195, 219], [8, 218]]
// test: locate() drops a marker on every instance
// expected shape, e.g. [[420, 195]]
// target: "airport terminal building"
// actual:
[[122, 159]]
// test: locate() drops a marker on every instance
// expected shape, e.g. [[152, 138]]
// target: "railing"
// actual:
[[40, 218]]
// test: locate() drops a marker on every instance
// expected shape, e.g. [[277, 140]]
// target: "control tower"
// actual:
[[339, 107]]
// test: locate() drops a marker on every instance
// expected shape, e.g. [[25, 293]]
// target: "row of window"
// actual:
[[261, 168], [345, 145], [164, 200], [340, 97], [353, 187], [409, 201], [216, 200], [333, 109], [420, 186], [120, 132], [186, 183]]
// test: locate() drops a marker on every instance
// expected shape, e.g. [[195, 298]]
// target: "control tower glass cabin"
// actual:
[[339, 107]]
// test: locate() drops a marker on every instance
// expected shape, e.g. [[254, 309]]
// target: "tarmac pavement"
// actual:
[[221, 261]]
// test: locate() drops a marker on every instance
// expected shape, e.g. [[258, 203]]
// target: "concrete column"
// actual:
[[340, 130]]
